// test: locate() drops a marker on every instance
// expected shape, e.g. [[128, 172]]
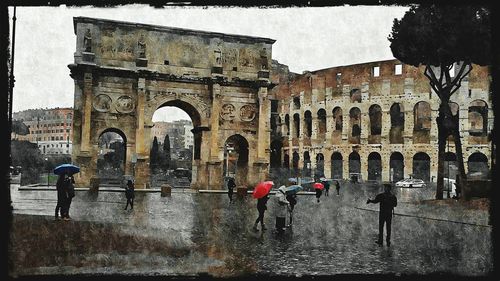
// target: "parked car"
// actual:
[[416, 183]]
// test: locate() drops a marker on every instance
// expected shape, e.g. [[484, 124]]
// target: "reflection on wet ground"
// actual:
[[190, 233]]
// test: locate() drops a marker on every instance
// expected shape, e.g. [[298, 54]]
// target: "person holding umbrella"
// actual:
[[282, 206], [292, 199], [65, 188], [326, 184], [261, 193], [61, 196], [69, 190], [318, 187]]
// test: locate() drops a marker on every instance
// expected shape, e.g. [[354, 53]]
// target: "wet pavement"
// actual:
[[191, 233]]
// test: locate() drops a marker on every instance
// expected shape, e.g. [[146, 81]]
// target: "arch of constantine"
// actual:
[[124, 72]]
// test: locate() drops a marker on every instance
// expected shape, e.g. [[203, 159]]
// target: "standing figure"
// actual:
[[327, 186], [292, 199], [230, 189], [130, 194], [319, 192], [387, 202], [458, 187], [87, 41], [61, 196], [69, 190], [282, 206], [337, 186], [261, 207]]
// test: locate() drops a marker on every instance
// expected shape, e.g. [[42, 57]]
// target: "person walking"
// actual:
[[282, 206], [61, 196], [130, 194], [230, 188], [326, 184], [261, 208], [292, 199], [319, 192], [387, 202], [69, 193], [337, 187]]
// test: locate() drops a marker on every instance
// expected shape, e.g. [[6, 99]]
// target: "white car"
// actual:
[[417, 183]]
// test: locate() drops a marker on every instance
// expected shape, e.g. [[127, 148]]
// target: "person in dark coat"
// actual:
[[318, 193], [337, 186], [130, 194], [387, 202], [61, 196], [69, 190], [327, 186], [230, 189], [261, 207], [292, 199]]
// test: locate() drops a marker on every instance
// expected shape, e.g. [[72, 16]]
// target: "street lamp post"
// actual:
[[48, 170], [448, 184]]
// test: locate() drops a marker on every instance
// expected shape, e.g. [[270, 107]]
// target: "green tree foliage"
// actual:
[[19, 128], [154, 155], [440, 37], [28, 156], [166, 152]]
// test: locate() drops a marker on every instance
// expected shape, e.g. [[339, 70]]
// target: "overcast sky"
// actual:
[[306, 39]]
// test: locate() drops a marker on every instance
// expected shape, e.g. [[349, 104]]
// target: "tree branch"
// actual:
[[429, 73], [461, 76]]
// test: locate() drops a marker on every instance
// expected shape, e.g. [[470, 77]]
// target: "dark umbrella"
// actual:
[[292, 189], [68, 169]]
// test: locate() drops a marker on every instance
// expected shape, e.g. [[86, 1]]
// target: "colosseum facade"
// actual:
[[376, 120]]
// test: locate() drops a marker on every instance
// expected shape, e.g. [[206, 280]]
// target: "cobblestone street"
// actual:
[[190, 233]]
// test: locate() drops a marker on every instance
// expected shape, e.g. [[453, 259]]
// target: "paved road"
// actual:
[[334, 236]]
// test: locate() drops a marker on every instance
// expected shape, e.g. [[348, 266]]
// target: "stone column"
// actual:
[[345, 166], [263, 134], [385, 164], [327, 164], [87, 112], [215, 163], [363, 161], [139, 132], [314, 127]]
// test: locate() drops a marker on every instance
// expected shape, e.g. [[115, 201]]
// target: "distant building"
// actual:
[[51, 129], [179, 132]]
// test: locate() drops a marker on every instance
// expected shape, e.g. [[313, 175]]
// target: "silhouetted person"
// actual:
[[69, 190], [230, 189], [130, 194], [387, 202], [282, 205], [458, 188], [337, 186], [61, 196], [292, 199], [327, 186], [318, 193], [261, 207]]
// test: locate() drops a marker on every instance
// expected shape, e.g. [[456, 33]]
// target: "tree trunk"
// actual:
[[441, 149], [462, 177]]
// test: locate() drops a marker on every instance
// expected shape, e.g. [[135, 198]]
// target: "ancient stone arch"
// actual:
[[122, 83]]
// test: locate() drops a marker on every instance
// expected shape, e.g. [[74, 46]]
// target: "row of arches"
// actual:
[[421, 165], [422, 113]]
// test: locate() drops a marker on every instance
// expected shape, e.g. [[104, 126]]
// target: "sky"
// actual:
[[309, 38]]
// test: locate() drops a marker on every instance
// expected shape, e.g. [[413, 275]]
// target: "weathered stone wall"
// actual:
[[407, 89]]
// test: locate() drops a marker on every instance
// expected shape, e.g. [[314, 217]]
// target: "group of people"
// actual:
[[285, 203], [65, 193]]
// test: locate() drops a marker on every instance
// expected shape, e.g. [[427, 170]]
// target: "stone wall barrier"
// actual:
[[166, 190]]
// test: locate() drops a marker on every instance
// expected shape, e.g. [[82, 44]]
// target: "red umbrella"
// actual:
[[318, 185], [262, 189]]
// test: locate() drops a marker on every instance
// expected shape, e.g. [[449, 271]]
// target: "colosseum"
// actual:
[[375, 121]]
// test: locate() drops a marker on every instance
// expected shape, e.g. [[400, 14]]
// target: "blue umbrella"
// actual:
[[292, 189], [66, 169]]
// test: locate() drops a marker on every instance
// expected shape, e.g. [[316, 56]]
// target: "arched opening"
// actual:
[[176, 128], [355, 124], [307, 164], [355, 95], [375, 113], [321, 123], [422, 166], [308, 123], [295, 161], [337, 117], [296, 102], [111, 158], [478, 118], [275, 155], [337, 165], [236, 158], [320, 165], [450, 165], [286, 161], [287, 124], [374, 167], [296, 124], [397, 166], [455, 110], [422, 122], [397, 124], [477, 166], [354, 163]]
